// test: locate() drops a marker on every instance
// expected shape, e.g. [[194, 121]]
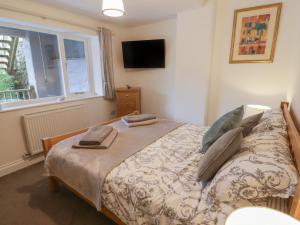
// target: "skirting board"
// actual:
[[18, 165]]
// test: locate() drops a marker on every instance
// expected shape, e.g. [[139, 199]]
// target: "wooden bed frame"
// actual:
[[55, 181], [294, 204], [294, 137]]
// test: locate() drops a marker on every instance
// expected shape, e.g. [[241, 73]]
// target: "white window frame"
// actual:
[[66, 93]]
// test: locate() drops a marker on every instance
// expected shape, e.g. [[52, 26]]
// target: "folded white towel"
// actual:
[[143, 123]]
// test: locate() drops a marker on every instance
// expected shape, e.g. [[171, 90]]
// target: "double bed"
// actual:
[[157, 182]]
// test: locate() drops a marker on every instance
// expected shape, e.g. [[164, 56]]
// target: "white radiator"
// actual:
[[52, 123]]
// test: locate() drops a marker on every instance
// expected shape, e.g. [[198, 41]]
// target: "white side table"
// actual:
[[260, 216]]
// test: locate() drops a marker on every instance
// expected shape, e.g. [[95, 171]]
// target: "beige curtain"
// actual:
[[107, 68]]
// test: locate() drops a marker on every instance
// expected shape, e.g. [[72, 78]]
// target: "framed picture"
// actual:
[[255, 33]]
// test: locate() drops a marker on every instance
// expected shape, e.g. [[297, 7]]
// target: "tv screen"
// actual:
[[144, 54]]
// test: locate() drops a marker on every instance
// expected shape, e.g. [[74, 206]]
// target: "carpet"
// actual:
[[25, 199]]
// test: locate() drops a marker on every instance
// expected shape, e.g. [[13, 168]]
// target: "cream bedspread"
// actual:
[[162, 189], [85, 169]]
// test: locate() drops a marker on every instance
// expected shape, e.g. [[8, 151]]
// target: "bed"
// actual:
[[146, 188]]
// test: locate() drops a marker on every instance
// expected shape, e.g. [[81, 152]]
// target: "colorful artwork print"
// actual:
[[254, 32]]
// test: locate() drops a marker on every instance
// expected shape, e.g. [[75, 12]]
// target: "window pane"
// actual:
[[76, 66], [46, 63], [29, 65]]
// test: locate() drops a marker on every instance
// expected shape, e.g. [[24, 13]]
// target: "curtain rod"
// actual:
[[48, 18]]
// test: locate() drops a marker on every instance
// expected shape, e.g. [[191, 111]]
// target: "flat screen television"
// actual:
[[144, 54]]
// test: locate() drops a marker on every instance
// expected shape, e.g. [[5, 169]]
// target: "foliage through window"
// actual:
[[31, 65]]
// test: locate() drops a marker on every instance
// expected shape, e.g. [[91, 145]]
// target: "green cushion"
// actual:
[[224, 124]]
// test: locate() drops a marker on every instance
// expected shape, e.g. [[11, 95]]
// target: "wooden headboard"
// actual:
[[294, 138]]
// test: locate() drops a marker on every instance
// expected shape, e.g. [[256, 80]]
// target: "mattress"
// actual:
[[279, 204]]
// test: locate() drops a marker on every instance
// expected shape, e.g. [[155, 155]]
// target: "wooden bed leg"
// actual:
[[53, 185]]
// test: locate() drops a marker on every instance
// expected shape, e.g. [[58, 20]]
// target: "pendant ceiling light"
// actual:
[[113, 8]]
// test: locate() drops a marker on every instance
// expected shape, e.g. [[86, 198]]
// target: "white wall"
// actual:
[[49, 17], [180, 90], [198, 79], [203, 85], [236, 84], [293, 94], [13, 145], [157, 84], [295, 101], [194, 52], [12, 140]]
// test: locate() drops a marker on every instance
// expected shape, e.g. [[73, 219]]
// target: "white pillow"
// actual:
[[264, 168], [271, 120]]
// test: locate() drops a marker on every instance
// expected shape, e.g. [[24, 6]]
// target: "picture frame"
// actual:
[[254, 34]]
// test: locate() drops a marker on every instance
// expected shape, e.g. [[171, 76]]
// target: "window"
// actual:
[[39, 65], [77, 69]]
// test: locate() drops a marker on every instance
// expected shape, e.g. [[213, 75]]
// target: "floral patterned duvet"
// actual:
[[158, 185]]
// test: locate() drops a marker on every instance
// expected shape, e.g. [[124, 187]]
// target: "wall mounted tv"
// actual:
[[144, 54]]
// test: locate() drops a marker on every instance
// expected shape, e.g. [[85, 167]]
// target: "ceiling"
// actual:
[[138, 12]]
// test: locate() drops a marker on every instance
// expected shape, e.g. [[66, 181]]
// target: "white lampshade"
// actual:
[[260, 216], [113, 8], [255, 109]]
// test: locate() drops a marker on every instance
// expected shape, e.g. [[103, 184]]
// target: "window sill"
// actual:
[[44, 103]]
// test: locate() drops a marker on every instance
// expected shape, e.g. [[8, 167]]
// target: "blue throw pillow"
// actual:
[[224, 124]]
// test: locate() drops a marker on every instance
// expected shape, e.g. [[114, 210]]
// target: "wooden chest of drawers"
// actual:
[[128, 100]]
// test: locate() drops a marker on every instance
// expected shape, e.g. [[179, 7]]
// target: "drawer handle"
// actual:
[[126, 96]]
